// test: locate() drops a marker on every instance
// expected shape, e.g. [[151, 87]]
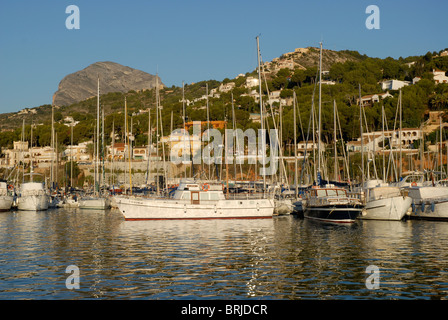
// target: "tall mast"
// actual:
[[263, 135], [384, 154], [401, 138], [440, 148], [319, 147], [335, 145], [185, 126], [129, 153], [71, 155], [31, 153], [362, 142], [125, 140], [113, 153], [52, 146], [208, 126], [157, 132], [103, 173], [97, 137], [149, 145], [295, 147]]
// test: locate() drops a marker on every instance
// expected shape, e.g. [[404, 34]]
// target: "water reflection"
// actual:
[[280, 258]]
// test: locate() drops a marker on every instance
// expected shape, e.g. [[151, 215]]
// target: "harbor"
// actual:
[[212, 152], [285, 258]]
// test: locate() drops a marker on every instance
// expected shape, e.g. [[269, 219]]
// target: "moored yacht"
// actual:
[[33, 197], [384, 202], [6, 197], [429, 202], [332, 204], [94, 202], [194, 200]]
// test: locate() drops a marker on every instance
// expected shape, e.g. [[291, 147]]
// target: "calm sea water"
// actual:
[[280, 258]]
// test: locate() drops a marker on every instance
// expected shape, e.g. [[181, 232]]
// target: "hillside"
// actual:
[[292, 72]]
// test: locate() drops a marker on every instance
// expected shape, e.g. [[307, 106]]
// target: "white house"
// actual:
[[77, 152], [373, 141], [251, 82], [394, 84], [439, 76], [372, 98], [226, 87]]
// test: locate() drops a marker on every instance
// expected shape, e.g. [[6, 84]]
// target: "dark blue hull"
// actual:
[[333, 213]]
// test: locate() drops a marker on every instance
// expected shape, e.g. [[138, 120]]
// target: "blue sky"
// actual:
[[192, 40]]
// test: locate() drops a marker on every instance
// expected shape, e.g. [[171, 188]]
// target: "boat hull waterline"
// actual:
[[393, 209], [333, 213], [134, 209]]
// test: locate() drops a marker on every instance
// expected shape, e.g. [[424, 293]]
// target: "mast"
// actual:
[[31, 153], [384, 154], [362, 142], [149, 145], [401, 138], [319, 147], [103, 172], [97, 138], [71, 155], [440, 147], [185, 125], [296, 187], [163, 148], [129, 153], [125, 140], [113, 154], [208, 127], [335, 145], [157, 133], [263, 135], [52, 146]]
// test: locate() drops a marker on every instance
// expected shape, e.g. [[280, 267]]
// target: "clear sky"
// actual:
[[189, 40]]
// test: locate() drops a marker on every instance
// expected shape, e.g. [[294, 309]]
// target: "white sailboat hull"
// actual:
[[134, 208], [94, 203], [394, 208], [283, 206], [33, 202], [6, 203], [430, 203]]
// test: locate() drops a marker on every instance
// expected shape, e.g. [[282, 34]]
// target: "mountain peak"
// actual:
[[113, 76]]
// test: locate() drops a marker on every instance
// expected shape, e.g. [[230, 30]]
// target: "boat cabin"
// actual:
[[198, 192], [328, 192]]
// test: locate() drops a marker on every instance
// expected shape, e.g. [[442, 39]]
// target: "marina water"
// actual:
[[280, 258]]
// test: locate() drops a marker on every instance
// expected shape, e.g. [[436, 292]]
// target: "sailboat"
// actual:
[[429, 198], [33, 195], [329, 203], [97, 200], [383, 201], [6, 197]]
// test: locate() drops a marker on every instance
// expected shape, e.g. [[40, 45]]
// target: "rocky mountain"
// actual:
[[114, 77]]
